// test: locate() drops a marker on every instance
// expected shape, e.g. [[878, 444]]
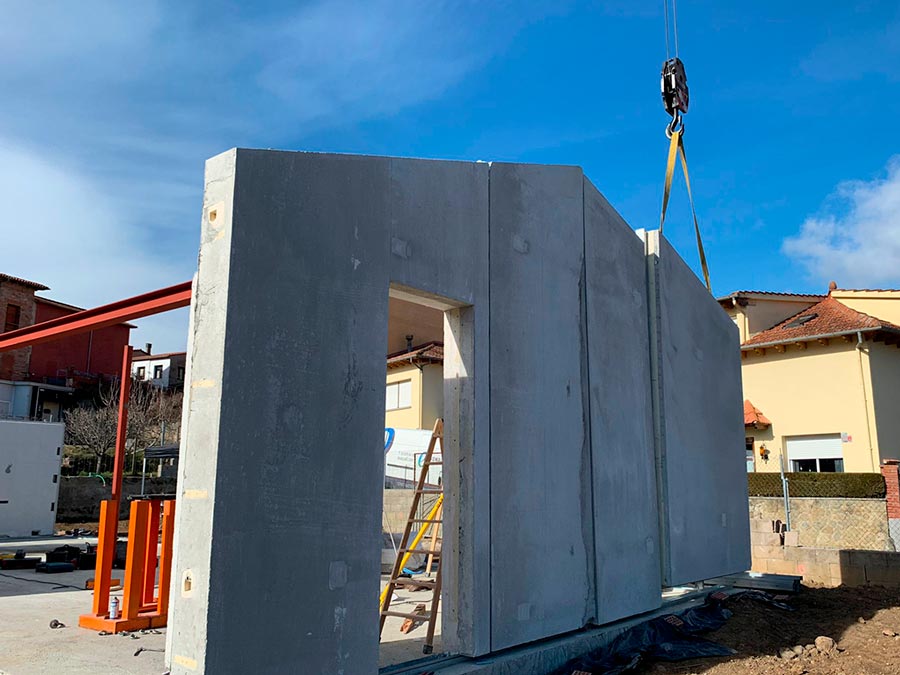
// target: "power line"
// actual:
[[666, 14], [675, 24]]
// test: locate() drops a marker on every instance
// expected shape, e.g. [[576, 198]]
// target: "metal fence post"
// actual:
[[787, 496]]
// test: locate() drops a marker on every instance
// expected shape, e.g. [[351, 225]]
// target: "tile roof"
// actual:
[[24, 282], [753, 416], [154, 357], [430, 352], [867, 290], [826, 318], [736, 294]]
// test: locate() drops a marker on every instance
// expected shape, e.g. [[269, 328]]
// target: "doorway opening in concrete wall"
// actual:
[[426, 356]]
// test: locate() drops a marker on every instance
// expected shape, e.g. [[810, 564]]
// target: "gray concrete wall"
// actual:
[[30, 456], [301, 264], [703, 481], [626, 524], [540, 453], [548, 449]]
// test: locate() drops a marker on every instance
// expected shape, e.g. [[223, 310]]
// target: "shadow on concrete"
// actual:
[[28, 582], [854, 617]]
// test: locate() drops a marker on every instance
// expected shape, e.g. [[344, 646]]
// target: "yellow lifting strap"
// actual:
[[676, 147]]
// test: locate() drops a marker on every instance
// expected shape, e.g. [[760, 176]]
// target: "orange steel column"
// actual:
[[109, 509], [133, 592], [122, 428], [147, 599], [165, 563], [106, 551]]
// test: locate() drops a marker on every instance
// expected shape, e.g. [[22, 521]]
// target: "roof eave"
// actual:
[[810, 338]]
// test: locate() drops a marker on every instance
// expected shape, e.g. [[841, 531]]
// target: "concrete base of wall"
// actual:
[[546, 656]]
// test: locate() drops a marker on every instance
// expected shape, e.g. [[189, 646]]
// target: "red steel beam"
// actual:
[[122, 426], [155, 302]]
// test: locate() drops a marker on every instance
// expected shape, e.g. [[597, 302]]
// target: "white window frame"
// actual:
[[394, 395], [799, 453]]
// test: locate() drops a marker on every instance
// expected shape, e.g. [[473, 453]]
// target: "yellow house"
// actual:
[[414, 395], [821, 378]]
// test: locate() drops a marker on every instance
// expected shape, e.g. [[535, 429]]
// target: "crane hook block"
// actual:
[[674, 87]]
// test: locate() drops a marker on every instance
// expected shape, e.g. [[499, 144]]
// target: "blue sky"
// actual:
[[110, 110]]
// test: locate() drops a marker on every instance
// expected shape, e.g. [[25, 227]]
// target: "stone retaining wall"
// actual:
[[776, 553], [830, 522], [80, 497]]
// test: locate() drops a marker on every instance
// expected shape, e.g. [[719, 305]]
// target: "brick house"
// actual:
[[38, 382], [18, 307]]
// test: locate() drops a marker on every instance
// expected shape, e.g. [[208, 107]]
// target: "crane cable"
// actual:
[[675, 100]]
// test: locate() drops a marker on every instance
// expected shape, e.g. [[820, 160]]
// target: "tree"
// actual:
[[93, 428], [149, 411]]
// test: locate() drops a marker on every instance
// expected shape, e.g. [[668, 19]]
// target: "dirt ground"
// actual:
[[864, 623]]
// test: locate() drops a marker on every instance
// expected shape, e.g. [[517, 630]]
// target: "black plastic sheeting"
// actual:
[[667, 638]]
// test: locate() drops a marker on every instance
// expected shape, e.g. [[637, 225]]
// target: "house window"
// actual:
[[141, 371], [13, 317], [751, 459], [823, 465], [157, 372], [398, 395], [180, 373], [819, 453]]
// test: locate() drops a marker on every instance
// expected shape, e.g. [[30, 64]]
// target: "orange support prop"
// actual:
[[136, 561], [148, 600], [138, 610], [106, 551], [165, 563], [143, 533]]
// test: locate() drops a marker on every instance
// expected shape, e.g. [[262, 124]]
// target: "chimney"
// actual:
[[148, 347]]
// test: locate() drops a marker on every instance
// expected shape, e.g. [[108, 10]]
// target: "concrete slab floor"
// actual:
[[397, 647], [28, 646]]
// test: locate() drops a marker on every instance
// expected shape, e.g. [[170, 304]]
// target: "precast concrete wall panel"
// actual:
[[705, 523], [439, 244], [295, 270], [540, 455], [302, 418], [626, 523], [552, 484]]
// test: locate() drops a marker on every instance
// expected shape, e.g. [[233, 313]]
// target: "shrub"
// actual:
[[860, 485]]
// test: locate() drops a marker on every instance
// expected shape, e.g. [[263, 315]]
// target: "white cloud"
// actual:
[[113, 109], [856, 239]]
